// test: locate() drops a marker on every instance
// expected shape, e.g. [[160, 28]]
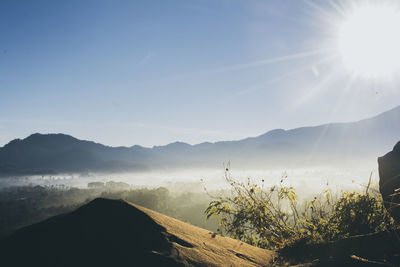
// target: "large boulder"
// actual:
[[389, 181]]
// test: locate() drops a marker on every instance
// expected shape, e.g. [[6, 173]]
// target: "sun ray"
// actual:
[[338, 7], [307, 67], [315, 147], [272, 60]]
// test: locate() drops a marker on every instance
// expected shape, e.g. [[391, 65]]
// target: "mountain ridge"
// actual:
[[281, 130], [326, 143]]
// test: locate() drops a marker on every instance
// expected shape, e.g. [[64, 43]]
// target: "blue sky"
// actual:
[[153, 72]]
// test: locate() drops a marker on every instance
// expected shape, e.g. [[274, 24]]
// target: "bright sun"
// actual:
[[369, 41]]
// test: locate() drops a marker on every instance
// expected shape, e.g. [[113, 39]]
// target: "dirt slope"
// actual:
[[117, 233]]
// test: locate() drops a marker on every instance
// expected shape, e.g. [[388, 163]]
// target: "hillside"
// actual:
[[335, 143], [117, 233]]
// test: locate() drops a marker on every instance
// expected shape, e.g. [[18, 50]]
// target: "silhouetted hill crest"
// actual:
[[108, 232]]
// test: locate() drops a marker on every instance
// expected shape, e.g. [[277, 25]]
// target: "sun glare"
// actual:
[[369, 41]]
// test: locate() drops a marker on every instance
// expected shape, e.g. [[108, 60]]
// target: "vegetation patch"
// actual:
[[274, 218]]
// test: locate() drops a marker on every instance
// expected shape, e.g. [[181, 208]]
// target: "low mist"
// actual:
[[183, 194]]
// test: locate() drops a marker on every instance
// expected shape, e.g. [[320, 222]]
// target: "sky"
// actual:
[[154, 72]]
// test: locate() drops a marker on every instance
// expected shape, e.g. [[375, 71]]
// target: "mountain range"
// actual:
[[334, 143]]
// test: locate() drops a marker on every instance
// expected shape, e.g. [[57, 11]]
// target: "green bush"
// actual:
[[273, 217]]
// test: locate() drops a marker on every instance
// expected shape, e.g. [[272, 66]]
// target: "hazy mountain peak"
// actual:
[[178, 144], [174, 145], [274, 132]]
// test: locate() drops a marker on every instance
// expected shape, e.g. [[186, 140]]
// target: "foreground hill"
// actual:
[[336, 143], [117, 233]]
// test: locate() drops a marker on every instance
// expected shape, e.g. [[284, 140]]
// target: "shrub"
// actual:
[[272, 217]]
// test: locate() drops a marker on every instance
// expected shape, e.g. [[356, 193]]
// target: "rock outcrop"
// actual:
[[389, 181]]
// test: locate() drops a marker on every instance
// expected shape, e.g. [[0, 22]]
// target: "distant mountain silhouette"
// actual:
[[53, 153], [108, 232], [334, 143]]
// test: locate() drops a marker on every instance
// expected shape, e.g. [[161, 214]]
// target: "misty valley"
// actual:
[[204, 133]]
